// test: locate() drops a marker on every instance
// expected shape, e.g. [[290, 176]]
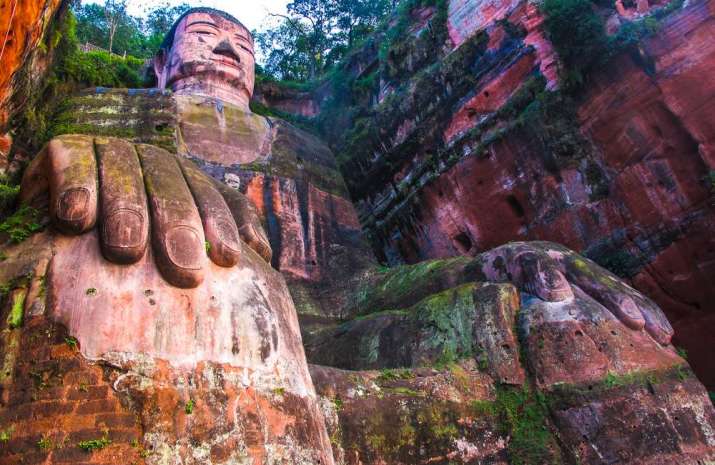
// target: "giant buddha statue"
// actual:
[[167, 301]]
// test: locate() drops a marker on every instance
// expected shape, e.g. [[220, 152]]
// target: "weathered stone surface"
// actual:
[[651, 419], [145, 116], [472, 320], [184, 371], [222, 134], [291, 101], [579, 342], [656, 132], [468, 16], [292, 178], [208, 53], [622, 174], [458, 415], [485, 359], [227, 354], [22, 27], [289, 175], [410, 416], [52, 400], [575, 361]]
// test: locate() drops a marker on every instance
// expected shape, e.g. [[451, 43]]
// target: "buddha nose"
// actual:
[[226, 48]]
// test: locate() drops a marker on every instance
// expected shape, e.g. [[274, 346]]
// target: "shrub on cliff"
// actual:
[[99, 69], [92, 68], [71, 69], [578, 35]]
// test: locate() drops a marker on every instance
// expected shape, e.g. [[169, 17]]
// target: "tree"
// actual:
[[315, 34], [159, 21], [359, 18], [160, 18], [91, 26], [289, 57], [578, 34], [115, 11], [137, 37]]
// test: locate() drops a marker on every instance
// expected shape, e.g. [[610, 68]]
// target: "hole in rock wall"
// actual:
[[463, 242], [515, 206]]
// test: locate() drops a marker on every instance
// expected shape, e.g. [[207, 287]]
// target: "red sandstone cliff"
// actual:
[[23, 24], [456, 163], [608, 395]]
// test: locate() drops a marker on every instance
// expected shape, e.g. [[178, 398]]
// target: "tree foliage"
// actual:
[[578, 33], [70, 71], [110, 25], [316, 34]]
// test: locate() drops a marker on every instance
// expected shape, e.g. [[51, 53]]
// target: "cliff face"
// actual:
[[464, 149], [23, 25], [454, 149]]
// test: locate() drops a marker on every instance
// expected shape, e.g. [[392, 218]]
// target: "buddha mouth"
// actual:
[[231, 75], [226, 60]]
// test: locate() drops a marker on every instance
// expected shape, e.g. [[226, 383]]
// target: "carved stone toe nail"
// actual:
[[556, 286], [73, 204], [661, 336], [228, 235], [123, 229], [184, 247], [630, 315]]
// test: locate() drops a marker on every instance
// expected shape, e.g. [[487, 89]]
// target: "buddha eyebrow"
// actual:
[[204, 23]]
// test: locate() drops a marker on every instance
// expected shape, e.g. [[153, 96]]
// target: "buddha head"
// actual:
[[208, 53]]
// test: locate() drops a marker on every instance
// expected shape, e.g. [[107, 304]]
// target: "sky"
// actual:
[[250, 12]]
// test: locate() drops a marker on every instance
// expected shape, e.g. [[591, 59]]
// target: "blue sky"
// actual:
[[250, 12]]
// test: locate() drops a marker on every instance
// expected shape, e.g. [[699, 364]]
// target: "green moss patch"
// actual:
[[94, 444], [564, 396], [403, 286], [15, 318], [524, 415], [24, 222]]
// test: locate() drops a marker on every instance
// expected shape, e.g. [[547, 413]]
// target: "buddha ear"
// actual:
[[159, 64]]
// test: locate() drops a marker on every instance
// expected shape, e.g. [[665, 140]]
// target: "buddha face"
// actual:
[[210, 56]]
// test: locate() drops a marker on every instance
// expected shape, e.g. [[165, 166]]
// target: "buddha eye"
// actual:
[[203, 32]]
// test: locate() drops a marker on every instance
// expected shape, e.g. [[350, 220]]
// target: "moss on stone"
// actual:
[[403, 286], [389, 375], [24, 222], [17, 309], [139, 115], [445, 323], [524, 417], [382, 313], [395, 436], [437, 331], [563, 396]]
